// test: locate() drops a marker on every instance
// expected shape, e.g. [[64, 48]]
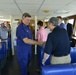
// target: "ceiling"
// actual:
[[16, 8]]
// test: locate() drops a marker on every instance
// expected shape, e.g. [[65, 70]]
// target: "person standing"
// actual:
[[47, 29], [57, 44], [69, 28], [61, 24], [3, 33], [24, 43], [41, 36]]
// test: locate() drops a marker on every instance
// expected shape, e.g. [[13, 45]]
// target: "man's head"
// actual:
[[60, 19], [40, 24], [2, 25], [26, 18], [6, 23], [52, 23], [66, 20]]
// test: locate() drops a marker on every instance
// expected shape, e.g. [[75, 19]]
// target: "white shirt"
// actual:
[[48, 30]]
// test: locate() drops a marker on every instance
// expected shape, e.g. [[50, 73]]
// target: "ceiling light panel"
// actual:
[[29, 1], [6, 1], [57, 2]]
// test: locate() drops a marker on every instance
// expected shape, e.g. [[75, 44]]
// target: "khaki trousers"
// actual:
[[61, 60]]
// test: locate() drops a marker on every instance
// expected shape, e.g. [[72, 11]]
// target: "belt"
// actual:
[[3, 40], [60, 55]]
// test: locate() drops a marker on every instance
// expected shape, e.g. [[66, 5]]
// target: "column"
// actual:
[[35, 33], [11, 23]]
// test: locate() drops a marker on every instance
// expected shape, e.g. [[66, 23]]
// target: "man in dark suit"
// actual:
[[61, 24], [69, 28]]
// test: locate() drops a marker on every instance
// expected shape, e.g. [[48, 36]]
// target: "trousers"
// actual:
[[24, 58], [40, 53], [61, 60]]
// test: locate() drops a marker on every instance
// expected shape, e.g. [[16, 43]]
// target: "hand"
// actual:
[[43, 63], [40, 43]]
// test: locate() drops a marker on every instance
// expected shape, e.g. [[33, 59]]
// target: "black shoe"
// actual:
[[37, 70]]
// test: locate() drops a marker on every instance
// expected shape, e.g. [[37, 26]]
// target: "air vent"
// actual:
[[61, 12], [17, 19]]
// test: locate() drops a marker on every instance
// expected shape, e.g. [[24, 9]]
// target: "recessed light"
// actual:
[[46, 11]]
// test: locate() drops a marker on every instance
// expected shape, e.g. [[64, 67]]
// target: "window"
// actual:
[[74, 30], [71, 21]]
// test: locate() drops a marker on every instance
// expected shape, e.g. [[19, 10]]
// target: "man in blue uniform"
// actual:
[[24, 42]]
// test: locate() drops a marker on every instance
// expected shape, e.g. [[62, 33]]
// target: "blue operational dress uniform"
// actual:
[[23, 49]]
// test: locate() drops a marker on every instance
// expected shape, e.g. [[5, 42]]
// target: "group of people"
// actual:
[[56, 42], [69, 28]]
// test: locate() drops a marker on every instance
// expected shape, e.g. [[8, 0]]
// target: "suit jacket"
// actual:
[[62, 25], [69, 30]]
